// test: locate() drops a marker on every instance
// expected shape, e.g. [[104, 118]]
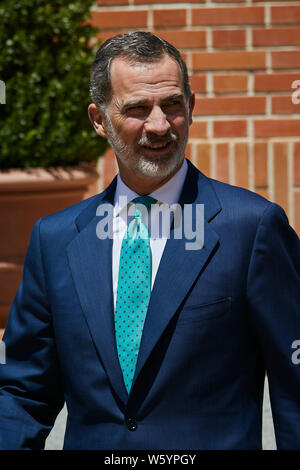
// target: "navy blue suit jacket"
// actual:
[[218, 319]]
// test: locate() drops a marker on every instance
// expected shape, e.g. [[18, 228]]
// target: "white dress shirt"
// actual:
[[169, 194]]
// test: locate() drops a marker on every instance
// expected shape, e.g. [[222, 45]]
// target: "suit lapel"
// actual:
[[90, 261], [179, 267]]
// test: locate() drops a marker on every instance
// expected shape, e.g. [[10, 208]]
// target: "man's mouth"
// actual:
[[158, 146]]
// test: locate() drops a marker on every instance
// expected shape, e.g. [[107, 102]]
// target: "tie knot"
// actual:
[[145, 200]]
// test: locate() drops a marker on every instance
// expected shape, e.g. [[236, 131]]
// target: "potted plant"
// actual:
[[48, 148]]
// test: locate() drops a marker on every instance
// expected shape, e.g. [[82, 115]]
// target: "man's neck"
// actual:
[[143, 185]]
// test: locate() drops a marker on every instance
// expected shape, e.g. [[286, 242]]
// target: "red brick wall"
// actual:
[[243, 56]]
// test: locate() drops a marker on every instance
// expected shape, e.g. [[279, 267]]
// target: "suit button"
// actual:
[[131, 424]]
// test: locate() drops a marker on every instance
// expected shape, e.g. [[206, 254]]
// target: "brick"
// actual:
[[230, 105], [264, 192], [183, 39], [284, 105], [280, 164], [228, 16], [167, 18], [143, 2], [203, 153], [297, 164], [241, 165], [188, 151], [275, 81], [285, 59], [198, 130], [198, 83], [277, 127], [285, 14], [297, 211], [222, 162], [230, 83], [230, 128], [184, 56], [104, 35], [229, 1], [260, 164], [119, 19], [224, 38], [229, 60], [276, 36]]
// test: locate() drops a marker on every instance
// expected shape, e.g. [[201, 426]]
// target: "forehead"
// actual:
[[161, 77]]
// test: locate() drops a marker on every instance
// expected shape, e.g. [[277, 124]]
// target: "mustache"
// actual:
[[153, 139]]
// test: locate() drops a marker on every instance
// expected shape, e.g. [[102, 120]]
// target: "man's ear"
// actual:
[[191, 106], [97, 119]]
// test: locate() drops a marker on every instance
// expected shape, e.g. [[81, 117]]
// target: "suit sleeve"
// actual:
[[274, 298], [30, 387]]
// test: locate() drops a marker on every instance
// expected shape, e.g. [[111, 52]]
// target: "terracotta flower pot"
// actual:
[[26, 195]]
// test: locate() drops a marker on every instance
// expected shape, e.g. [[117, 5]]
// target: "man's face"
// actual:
[[148, 117]]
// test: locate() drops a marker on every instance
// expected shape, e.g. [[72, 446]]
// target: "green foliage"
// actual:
[[45, 59]]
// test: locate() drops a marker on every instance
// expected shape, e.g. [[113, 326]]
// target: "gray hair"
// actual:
[[139, 46]]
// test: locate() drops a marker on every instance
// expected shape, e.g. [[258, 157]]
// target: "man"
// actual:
[[164, 348]]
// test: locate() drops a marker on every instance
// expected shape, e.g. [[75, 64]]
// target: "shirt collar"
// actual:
[[169, 193]]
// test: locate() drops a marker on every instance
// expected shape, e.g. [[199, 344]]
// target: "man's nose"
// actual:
[[157, 122]]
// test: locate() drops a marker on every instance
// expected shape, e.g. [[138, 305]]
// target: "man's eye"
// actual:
[[173, 106], [173, 103], [136, 110], [136, 106]]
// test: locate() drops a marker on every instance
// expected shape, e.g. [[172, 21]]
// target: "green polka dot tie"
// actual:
[[134, 289]]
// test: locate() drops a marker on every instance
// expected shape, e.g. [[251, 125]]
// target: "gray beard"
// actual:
[[140, 164]]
